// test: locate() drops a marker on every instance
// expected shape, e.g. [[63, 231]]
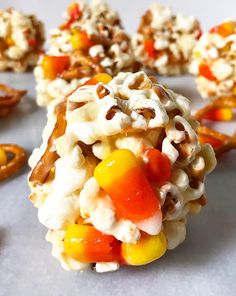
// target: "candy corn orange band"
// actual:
[[86, 244], [125, 182]]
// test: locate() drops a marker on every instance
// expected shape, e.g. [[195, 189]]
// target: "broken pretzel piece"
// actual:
[[12, 159], [220, 109], [220, 142], [9, 98]]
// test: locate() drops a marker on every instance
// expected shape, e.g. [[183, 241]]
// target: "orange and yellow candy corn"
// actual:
[[102, 77], [74, 14], [74, 11], [147, 249], [86, 244], [80, 40], [122, 178], [205, 71], [149, 48], [225, 29], [219, 114], [54, 65]]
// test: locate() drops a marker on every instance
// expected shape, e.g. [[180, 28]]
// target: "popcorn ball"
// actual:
[[165, 40], [91, 41], [21, 40], [214, 62], [118, 172]]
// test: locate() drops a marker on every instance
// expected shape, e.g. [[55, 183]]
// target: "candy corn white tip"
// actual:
[[152, 225]]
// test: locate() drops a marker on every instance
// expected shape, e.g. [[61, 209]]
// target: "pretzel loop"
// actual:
[[10, 98], [13, 164]]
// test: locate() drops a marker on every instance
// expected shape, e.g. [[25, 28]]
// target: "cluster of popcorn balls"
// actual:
[[121, 166]]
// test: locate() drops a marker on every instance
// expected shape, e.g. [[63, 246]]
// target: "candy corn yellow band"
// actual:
[[146, 250], [114, 166]]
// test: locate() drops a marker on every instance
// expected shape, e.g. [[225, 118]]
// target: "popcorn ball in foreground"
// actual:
[[119, 169], [21, 40], [214, 61], [91, 41], [165, 41]]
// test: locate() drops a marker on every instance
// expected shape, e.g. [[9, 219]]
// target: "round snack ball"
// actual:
[[90, 41], [164, 41], [21, 40], [214, 61], [119, 169]]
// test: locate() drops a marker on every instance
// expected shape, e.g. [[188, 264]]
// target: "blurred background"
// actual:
[[207, 11]]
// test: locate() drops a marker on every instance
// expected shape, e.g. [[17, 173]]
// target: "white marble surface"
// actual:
[[204, 265]]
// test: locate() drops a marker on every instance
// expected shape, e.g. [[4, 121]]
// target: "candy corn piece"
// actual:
[[147, 249], [225, 29], [205, 71], [157, 166], [54, 65], [102, 77], [74, 14], [149, 48], [80, 40], [74, 11], [219, 114], [122, 178], [86, 244]]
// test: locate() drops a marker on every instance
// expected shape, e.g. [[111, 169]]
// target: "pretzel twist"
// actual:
[[13, 164], [11, 98]]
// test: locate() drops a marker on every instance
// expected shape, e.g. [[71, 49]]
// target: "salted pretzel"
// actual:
[[12, 159], [9, 98]]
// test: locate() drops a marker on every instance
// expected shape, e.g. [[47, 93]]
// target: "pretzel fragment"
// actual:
[[13, 158], [220, 142], [82, 66], [10, 98], [46, 162]]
